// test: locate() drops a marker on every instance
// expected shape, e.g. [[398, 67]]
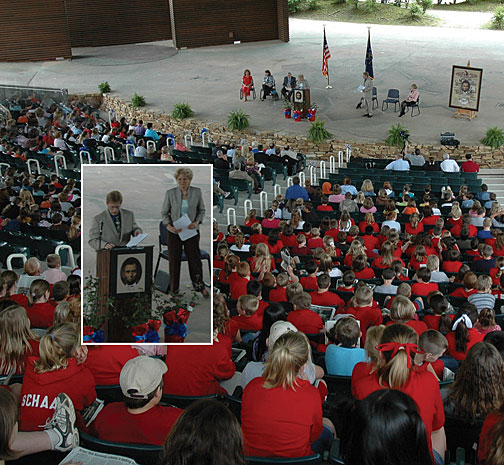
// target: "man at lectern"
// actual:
[[113, 227]]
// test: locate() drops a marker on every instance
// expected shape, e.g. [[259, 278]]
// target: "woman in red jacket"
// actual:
[[281, 410], [17, 340], [396, 370], [56, 371]]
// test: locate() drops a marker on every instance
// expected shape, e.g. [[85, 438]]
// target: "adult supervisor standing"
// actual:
[[179, 201], [115, 226], [367, 94]]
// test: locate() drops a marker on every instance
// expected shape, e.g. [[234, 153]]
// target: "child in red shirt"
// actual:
[[106, 362], [310, 281], [434, 345], [498, 271], [220, 258], [301, 248], [453, 263], [470, 282], [322, 296], [57, 370], [304, 319], [288, 237], [370, 242], [17, 340], [364, 309], [251, 219], [441, 320], [238, 281], [361, 268], [348, 281], [423, 287], [139, 419], [418, 258], [257, 236], [277, 294], [403, 311], [324, 207], [315, 239], [463, 336], [248, 318], [40, 310]]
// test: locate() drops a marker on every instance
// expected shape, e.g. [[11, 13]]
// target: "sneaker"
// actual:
[[63, 424]]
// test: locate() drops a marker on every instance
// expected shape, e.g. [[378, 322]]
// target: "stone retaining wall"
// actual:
[[486, 157]]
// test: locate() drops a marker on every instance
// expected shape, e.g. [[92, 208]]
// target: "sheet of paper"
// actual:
[[136, 240], [360, 88], [183, 223], [89, 457]]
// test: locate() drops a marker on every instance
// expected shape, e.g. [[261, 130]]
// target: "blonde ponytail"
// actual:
[[38, 289], [56, 347]]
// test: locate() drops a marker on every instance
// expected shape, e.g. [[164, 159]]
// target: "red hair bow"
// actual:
[[397, 346]]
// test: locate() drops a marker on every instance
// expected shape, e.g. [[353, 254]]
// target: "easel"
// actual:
[[462, 112]]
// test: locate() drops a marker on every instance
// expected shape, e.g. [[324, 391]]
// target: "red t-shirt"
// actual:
[[251, 222], [437, 366], [430, 220], [363, 225], [451, 266], [432, 321], [371, 242], [368, 316], [41, 315], [313, 243], [39, 392], [469, 167], [258, 238], [289, 241], [462, 292], [421, 386], [474, 338], [301, 250], [333, 233], [306, 321], [249, 323], [414, 231], [197, 370], [114, 423], [378, 263], [275, 248], [366, 273], [419, 326], [493, 272], [106, 362], [20, 299], [327, 299], [491, 420], [237, 285], [308, 282], [325, 208], [414, 264], [278, 294], [455, 231], [423, 289], [280, 422]]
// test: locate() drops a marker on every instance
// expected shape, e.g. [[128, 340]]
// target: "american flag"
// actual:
[[326, 54]]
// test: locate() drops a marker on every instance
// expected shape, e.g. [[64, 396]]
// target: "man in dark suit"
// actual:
[[289, 84], [221, 162], [117, 225]]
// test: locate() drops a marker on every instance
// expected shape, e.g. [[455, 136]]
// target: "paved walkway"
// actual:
[[209, 78], [462, 19]]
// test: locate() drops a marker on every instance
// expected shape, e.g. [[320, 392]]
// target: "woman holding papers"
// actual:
[[183, 211]]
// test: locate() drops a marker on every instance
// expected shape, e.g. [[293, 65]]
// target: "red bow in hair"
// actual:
[[397, 346]]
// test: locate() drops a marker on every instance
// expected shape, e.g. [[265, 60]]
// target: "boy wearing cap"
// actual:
[[139, 419]]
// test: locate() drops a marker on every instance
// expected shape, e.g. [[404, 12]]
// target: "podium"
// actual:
[[123, 273], [301, 99]]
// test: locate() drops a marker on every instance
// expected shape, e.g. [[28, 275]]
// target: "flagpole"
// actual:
[[328, 79]]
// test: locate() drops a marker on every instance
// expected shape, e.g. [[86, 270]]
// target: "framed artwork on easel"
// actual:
[[465, 88]]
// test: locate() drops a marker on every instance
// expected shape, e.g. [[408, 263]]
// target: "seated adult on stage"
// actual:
[[302, 82], [269, 85], [411, 100], [113, 227], [289, 83], [179, 201]]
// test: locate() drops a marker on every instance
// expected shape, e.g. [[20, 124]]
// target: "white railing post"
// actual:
[[263, 199], [277, 189], [128, 148], [87, 154], [228, 213], [313, 175], [323, 169], [348, 153], [71, 261], [340, 159], [108, 152], [190, 138], [247, 206], [332, 164], [302, 179], [12, 256], [58, 157], [151, 143], [29, 163], [205, 138], [289, 181]]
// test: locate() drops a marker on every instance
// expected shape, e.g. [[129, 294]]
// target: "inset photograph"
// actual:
[[146, 265]]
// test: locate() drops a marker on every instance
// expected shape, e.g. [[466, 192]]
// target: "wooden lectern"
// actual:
[[111, 285], [301, 99]]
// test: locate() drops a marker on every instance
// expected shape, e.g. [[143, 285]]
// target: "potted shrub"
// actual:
[[238, 120], [317, 132], [287, 109], [104, 87], [182, 111], [494, 138], [397, 135], [137, 101]]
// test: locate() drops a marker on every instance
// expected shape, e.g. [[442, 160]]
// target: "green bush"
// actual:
[[416, 11], [395, 139], [354, 3], [498, 18], [425, 4], [238, 120], [369, 6], [494, 138], [312, 5], [295, 5], [137, 101], [317, 132], [104, 87], [182, 111]]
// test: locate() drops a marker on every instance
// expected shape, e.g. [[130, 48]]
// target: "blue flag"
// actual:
[[369, 56]]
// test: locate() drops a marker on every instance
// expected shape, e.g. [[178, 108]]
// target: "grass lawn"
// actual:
[[483, 5], [382, 14]]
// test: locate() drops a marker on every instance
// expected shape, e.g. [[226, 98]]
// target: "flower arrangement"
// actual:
[[175, 314]]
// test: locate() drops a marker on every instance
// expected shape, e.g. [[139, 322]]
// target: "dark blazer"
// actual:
[[172, 205], [291, 84]]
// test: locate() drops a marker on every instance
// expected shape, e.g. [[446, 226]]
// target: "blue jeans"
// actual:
[[324, 441]]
